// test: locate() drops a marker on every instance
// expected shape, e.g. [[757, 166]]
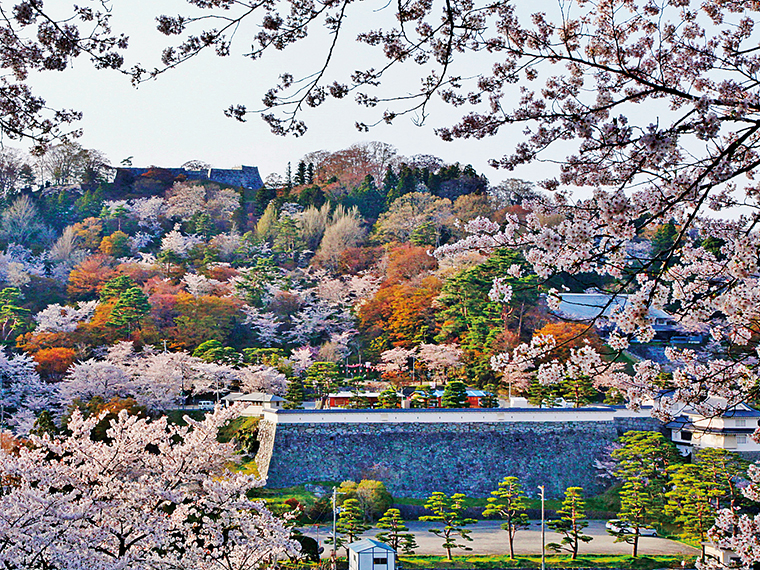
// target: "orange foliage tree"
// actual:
[[89, 232], [202, 318], [569, 336], [115, 245], [52, 363], [401, 314], [407, 261], [88, 277]]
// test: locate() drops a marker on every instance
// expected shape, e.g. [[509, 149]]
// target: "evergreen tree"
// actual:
[[663, 239], [300, 178], [470, 317], [367, 198], [288, 178], [215, 351], [571, 523], [543, 395], [350, 523], [14, 319], [396, 537], [698, 490], [580, 391], [450, 512], [424, 234], [491, 399], [90, 204], [390, 181], [389, 398], [455, 395], [294, 394], [407, 182], [130, 309], [643, 464], [115, 287], [323, 377], [310, 173], [508, 503], [262, 198]]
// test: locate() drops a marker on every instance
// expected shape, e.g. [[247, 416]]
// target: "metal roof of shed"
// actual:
[[367, 544]]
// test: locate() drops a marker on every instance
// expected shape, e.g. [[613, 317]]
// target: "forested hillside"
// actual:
[[141, 293]]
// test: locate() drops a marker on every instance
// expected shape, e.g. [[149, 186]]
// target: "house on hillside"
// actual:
[[731, 430], [256, 402], [370, 554], [599, 307]]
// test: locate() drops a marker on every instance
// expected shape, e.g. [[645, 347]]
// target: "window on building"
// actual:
[[741, 423], [741, 439], [380, 560], [685, 436]]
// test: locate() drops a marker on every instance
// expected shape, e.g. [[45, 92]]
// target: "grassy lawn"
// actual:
[[589, 561], [176, 416]]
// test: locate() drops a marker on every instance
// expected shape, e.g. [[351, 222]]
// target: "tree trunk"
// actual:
[[511, 545], [636, 543]]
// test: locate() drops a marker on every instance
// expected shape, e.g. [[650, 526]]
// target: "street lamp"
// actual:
[[543, 531]]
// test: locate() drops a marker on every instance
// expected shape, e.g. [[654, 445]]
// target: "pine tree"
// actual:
[[698, 490], [491, 399], [130, 309], [396, 538], [310, 173], [350, 523], [580, 391], [115, 287], [571, 523], [450, 512], [294, 394], [455, 395], [643, 464], [389, 398], [508, 503]]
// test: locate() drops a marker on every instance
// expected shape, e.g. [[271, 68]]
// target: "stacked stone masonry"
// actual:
[[414, 458]]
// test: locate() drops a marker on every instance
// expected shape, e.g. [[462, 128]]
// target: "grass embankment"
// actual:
[[560, 561]]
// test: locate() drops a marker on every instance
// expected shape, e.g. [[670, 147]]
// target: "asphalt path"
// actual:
[[489, 538]]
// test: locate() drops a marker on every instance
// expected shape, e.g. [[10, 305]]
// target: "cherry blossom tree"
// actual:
[[439, 358], [262, 378], [154, 495], [58, 318], [23, 395], [179, 244], [302, 358], [156, 380]]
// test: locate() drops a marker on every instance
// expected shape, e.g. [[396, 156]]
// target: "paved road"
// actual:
[[489, 538]]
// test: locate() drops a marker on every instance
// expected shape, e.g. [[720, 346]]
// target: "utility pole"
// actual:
[[335, 526], [543, 531]]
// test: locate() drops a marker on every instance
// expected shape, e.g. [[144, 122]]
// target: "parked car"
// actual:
[[618, 526], [205, 404]]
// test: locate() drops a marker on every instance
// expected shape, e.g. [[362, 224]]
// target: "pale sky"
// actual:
[[179, 116]]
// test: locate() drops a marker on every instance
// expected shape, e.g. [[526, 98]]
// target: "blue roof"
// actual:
[[368, 543], [470, 393]]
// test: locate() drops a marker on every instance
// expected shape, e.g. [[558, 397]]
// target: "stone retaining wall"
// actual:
[[413, 459]]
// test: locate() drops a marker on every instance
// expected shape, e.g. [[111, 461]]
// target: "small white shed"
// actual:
[[369, 554]]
